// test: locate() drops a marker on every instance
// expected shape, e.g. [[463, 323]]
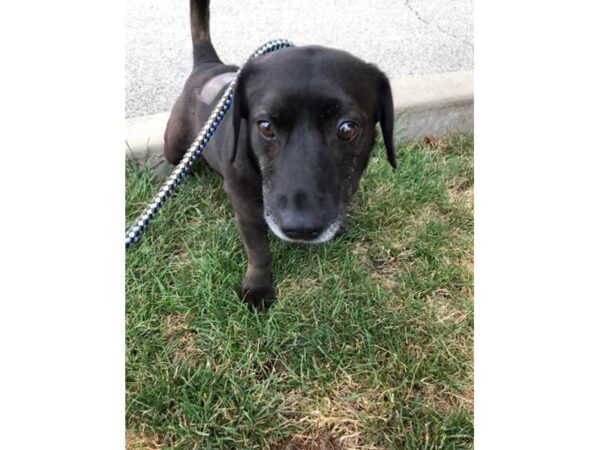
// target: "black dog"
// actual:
[[294, 145]]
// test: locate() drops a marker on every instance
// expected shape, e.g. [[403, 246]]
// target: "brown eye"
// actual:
[[266, 129], [347, 130]]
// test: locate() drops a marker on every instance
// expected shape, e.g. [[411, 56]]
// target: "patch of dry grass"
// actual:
[[333, 419], [140, 441], [182, 340]]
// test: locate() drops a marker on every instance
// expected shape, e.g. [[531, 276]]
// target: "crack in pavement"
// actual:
[[426, 22]]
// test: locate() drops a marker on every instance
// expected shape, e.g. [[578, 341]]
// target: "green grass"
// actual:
[[368, 346]]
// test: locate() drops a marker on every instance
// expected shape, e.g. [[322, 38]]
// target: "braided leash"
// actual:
[[191, 155]]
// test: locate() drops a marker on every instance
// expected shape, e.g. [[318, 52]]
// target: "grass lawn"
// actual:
[[370, 344]]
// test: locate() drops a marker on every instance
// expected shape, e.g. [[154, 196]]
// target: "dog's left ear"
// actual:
[[385, 116]]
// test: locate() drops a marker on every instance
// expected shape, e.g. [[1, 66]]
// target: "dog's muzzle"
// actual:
[[302, 234]]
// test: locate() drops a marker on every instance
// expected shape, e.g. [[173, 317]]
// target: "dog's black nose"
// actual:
[[305, 234]]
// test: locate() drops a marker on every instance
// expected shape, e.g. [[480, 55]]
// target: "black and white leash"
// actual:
[[182, 169]]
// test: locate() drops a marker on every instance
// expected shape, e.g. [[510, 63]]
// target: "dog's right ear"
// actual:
[[239, 109], [386, 117]]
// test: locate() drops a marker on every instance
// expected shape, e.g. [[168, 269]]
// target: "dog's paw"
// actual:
[[261, 298]]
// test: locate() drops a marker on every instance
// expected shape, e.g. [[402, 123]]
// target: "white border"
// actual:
[[536, 226], [62, 289]]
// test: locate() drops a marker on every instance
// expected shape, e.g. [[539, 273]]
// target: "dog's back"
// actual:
[[208, 79]]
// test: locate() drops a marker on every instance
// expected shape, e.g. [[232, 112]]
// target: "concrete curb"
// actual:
[[438, 105]]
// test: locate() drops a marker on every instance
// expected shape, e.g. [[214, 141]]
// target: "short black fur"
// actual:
[[293, 147]]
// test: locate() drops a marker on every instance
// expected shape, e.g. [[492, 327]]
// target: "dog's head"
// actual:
[[311, 114]]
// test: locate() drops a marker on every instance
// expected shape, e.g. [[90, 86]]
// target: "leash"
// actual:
[[191, 155]]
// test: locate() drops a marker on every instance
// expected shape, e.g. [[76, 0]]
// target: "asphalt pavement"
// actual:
[[403, 37]]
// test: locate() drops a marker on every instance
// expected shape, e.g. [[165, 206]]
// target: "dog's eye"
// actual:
[[266, 129], [347, 130]]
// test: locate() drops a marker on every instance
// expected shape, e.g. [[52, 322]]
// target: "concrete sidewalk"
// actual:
[[403, 37]]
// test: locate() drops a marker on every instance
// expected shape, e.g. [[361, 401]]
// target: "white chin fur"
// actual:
[[326, 235]]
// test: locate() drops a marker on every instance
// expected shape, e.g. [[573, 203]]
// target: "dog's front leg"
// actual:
[[257, 286]]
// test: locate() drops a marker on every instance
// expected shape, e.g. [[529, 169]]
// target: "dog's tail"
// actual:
[[204, 52]]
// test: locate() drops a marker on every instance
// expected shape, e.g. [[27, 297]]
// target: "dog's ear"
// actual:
[[239, 109], [386, 117]]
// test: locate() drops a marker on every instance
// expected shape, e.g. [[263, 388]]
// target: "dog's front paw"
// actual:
[[261, 298]]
